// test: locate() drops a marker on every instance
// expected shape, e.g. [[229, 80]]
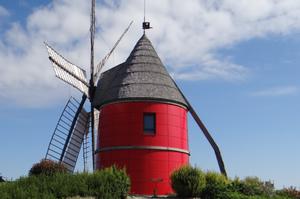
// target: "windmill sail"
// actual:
[[67, 71], [76, 140], [104, 60], [68, 135], [74, 123]]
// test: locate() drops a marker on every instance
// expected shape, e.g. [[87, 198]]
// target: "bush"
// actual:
[[106, 183], [188, 181], [24, 187], [109, 183], [47, 167], [216, 186], [290, 192], [192, 182], [64, 185], [252, 186]]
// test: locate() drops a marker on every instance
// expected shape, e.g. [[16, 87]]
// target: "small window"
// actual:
[[149, 123]]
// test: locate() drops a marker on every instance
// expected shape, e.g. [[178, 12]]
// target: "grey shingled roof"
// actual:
[[141, 77]]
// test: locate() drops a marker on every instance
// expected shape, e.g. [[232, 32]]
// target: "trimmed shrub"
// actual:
[[188, 181], [47, 167], [109, 183], [216, 186]]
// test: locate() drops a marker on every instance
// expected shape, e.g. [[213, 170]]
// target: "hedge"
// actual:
[[192, 182], [106, 183]]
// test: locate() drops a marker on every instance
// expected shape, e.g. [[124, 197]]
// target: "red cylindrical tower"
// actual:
[[142, 122], [149, 156]]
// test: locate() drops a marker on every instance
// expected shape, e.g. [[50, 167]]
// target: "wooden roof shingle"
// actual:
[[141, 77]]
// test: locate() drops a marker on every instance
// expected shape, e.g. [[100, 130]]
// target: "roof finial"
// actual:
[[146, 25]]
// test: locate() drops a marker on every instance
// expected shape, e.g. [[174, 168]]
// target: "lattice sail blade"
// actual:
[[76, 140], [68, 72], [68, 136]]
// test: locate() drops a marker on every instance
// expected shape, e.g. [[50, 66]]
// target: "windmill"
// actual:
[[72, 130], [142, 116]]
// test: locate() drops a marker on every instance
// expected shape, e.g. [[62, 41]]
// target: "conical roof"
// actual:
[[141, 77]]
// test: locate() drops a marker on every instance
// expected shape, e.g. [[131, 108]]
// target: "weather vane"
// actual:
[[146, 24]]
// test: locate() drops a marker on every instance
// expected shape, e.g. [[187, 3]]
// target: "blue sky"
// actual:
[[236, 61]]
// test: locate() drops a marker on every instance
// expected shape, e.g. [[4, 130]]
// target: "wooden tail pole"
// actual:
[[209, 138], [206, 134]]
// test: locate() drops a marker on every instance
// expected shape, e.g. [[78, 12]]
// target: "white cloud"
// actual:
[[276, 91], [211, 68], [3, 12], [186, 35]]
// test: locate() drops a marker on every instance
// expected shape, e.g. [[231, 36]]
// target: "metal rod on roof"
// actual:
[[144, 13], [144, 10], [146, 25]]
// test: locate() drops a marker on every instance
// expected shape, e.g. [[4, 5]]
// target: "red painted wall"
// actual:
[[121, 124]]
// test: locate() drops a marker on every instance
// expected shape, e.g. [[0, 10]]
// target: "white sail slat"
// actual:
[[67, 71]]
